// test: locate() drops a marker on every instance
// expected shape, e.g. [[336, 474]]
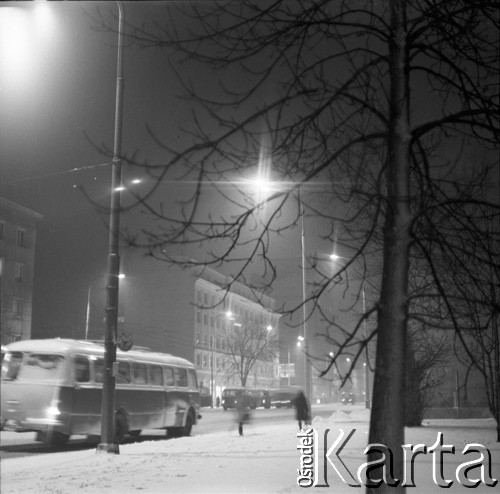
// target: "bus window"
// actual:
[[139, 373], [82, 369], [11, 365], [123, 376], [180, 377], [98, 370], [192, 379], [169, 376], [155, 375], [42, 366]]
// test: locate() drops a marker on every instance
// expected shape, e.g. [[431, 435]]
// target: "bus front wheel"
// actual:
[[186, 430], [53, 438]]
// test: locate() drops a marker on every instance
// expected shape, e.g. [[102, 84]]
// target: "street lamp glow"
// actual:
[[269, 328], [121, 276]]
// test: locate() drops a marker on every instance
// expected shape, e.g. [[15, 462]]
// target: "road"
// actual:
[[13, 444]]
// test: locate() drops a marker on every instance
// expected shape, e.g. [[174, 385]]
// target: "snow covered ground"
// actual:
[[264, 460]]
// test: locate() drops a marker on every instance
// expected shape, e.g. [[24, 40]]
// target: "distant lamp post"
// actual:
[[366, 365], [108, 440]]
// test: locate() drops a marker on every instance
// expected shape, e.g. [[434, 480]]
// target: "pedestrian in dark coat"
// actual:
[[243, 409], [302, 413]]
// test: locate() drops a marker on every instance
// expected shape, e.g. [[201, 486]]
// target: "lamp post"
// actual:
[[212, 391], [335, 257], [367, 370], [263, 186], [307, 366], [108, 444]]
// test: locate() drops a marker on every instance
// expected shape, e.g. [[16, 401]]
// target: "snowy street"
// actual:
[[264, 460]]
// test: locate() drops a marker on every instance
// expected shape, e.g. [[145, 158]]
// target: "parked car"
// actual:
[[282, 398]]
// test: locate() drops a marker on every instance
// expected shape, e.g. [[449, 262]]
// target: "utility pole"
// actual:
[[108, 440]]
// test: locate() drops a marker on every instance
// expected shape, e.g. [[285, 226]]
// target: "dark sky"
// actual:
[[58, 81]]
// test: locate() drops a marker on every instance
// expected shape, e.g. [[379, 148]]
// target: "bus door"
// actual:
[[181, 395], [87, 395], [169, 397]]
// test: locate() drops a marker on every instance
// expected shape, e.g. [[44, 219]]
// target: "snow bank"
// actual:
[[265, 460]]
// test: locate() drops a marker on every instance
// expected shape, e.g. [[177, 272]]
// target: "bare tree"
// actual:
[[478, 312], [384, 102], [426, 357], [248, 346]]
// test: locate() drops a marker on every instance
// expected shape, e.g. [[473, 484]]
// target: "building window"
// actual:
[[198, 338], [211, 321], [18, 272], [205, 319], [2, 229], [18, 308], [198, 317], [205, 361], [21, 237], [198, 360]]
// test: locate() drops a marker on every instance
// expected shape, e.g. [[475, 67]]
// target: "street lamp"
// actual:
[[228, 316], [108, 444], [367, 370], [263, 186], [335, 257]]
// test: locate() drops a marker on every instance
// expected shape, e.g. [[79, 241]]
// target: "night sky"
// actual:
[[58, 81]]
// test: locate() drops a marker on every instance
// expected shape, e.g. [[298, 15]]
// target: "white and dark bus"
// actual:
[[54, 387]]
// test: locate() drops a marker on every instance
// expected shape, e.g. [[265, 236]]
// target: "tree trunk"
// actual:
[[387, 418]]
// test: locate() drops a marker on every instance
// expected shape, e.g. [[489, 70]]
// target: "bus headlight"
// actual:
[[53, 411]]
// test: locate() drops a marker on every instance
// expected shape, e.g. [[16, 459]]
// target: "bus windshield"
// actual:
[[34, 366]]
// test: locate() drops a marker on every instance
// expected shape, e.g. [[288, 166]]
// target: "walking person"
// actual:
[[302, 412], [243, 410]]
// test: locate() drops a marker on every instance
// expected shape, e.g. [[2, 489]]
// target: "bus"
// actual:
[[54, 387], [256, 397]]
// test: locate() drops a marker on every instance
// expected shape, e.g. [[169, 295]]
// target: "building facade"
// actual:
[[18, 226], [189, 313], [235, 336]]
